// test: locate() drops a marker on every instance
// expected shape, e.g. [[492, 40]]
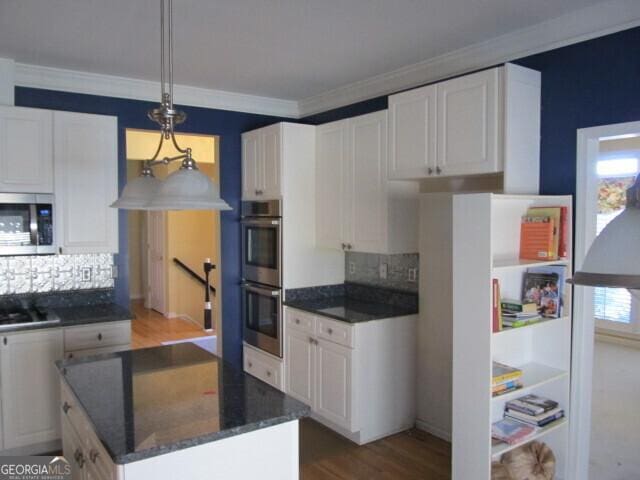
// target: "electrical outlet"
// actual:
[[413, 273], [383, 271], [86, 274], [352, 267]]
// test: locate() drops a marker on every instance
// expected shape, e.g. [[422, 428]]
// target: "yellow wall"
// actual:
[[192, 235]]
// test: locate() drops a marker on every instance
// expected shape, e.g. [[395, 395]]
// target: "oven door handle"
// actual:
[[260, 290], [260, 222]]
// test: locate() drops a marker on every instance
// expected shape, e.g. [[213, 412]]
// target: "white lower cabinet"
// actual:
[[334, 386], [358, 379], [263, 366], [29, 387]]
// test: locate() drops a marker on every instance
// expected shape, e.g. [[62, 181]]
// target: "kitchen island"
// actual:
[[174, 412]]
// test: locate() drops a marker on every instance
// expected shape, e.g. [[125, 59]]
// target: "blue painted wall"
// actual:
[[228, 126], [596, 82]]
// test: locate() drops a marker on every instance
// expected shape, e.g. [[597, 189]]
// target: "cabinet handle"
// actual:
[[250, 364], [5, 340], [438, 170], [430, 171], [100, 336], [66, 407], [93, 455], [60, 250], [311, 340]]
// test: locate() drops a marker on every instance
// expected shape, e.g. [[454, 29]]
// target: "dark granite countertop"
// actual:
[[144, 403], [77, 315], [353, 303]]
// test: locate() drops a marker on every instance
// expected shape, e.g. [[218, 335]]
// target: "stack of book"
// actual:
[[543, 233], [516, 313], [544, 286], [511, 431], [533, 410], [505, 379]]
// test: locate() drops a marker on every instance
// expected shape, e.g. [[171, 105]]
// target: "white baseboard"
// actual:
[[433, 430], [136, 296]]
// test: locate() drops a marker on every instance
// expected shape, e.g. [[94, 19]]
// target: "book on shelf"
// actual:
[[511, 431], [544, 290], [505, 388], [496, 310], [520, 322], [536, 238], [531, 404], [536, 420], [518, 306], [502, 373], [560, 217]]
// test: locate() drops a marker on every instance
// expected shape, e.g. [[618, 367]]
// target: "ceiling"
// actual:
[[288, 49]]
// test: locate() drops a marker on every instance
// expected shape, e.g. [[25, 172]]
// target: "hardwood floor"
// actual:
[[150, 328], [410, 455]]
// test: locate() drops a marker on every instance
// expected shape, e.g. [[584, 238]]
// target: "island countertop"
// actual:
[[144, 403]]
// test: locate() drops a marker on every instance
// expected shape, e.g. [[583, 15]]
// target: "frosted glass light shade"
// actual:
[[188, 190], [614, 257], [137, 193]]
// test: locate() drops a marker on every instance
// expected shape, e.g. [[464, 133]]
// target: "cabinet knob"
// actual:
[[66, 407], [100, 336], [4, 340], [250, 364], [297, 321], [60, 250], [330, 331], [344, 246], [349, 246], [70, 355], [93, 455], [430, 171], [311, 340], [268, 373], [438, 170], [79, 457]]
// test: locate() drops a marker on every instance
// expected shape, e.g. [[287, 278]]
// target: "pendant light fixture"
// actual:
[[613, 260], [187, 188]]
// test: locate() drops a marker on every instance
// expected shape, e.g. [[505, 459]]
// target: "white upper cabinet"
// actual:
[[412, 133], [26, 158], [473, 124], [331, 169], [262, 163], [30, 387], [357, 208], [86, 182], [468, 125]]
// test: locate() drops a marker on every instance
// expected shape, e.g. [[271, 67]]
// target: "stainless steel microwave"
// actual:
[[26, 224]]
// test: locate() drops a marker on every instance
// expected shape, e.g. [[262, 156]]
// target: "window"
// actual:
[[614, 308]]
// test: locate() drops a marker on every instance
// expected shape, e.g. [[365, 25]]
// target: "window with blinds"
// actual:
[[615, 176]]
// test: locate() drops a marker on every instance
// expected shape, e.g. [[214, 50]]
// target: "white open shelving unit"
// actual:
[[542, 350]]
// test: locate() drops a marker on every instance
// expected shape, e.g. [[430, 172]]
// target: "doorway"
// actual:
[[606, 359], [167, 299]]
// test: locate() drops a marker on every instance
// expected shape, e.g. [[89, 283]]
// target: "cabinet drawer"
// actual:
[[95, 351], [262, 366], [70, 410], [97, 336], [337, 332], [300, 320]]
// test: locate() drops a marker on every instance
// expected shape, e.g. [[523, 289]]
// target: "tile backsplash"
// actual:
[[366, 268], [52, 273]]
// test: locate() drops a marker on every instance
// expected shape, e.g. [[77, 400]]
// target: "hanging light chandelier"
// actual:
[[187, 188]]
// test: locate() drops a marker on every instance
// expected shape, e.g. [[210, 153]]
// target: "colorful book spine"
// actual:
[[497, 312]]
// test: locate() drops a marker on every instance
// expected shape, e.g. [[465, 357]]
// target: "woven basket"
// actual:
[[500, 472], [533, 461]]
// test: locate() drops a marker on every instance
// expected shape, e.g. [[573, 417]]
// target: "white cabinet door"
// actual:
[[26, 159], [271, 162], [30, 387], [468, 124], [331, 167], [73, 451], [300, 365], [366, 228], [333, 397], [86, 182], [250, 165], [412, 133]]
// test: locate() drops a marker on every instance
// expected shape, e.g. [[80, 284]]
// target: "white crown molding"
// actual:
[[50, 78], [591, 22]]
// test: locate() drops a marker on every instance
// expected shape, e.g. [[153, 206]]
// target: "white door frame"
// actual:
[[584, 322], [160, 244]]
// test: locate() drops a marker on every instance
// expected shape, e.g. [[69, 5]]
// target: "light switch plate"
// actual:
[[352, 267], [383, 271], [412, 274], [86, 274]]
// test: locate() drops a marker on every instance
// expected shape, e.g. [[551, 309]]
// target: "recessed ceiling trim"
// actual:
[[585, 24], [59, 79]]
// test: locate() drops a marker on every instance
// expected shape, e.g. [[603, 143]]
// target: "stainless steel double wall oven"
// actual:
[[262, 275]]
